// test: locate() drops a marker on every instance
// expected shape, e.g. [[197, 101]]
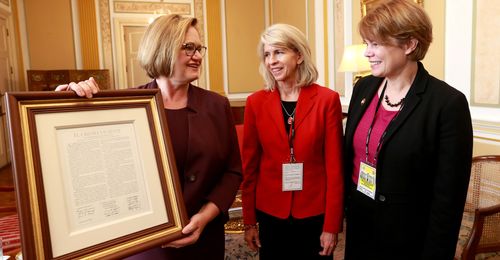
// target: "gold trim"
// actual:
[[30, 172], [214, 43], [107, 53], [151, 7], [166, 167], [487, 138], [486, 127], [234, 226], [486, 123], [88, 34]]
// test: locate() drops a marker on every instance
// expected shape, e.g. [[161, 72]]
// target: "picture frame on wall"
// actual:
[[367, 4], [95, 178]]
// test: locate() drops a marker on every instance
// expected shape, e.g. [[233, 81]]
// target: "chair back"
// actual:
[[483, 198]]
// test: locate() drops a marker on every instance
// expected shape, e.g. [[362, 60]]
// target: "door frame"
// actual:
[[11, 45], [119, 24], [13, 78]]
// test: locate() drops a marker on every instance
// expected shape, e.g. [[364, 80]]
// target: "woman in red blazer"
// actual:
[[292, 161]]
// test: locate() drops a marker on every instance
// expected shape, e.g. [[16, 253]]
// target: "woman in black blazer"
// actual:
[[408, 145]]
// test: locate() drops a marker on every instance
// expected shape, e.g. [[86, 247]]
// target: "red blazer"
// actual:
[[317, 143]]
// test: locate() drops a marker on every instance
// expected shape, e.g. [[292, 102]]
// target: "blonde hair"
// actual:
[[161, 44], [398, 21], [287, 36]]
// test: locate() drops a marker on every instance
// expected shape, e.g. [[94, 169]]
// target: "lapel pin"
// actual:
[[363, 101]]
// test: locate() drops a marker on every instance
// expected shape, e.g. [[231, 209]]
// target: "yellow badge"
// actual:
[[366, 180]]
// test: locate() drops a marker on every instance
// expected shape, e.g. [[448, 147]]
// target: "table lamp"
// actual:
[[354, 61]]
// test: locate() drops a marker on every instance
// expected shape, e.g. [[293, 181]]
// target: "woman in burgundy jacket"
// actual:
[[292, 157], [202, 134]]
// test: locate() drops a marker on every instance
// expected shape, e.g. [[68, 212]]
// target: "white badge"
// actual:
[[366, 180], [292, 176]]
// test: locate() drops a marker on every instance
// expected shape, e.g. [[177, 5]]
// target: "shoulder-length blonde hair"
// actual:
[[287, 36], [397, 22], [162, 42]]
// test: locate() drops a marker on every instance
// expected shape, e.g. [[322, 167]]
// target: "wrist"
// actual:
[[250, 226]]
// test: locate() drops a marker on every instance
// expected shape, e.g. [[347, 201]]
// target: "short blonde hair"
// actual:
[[399, 21], [161, 44], [287, 36]]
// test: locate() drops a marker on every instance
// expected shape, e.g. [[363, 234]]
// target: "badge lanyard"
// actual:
[[292, 172], [367, 179], [379, 145], [291, 136]]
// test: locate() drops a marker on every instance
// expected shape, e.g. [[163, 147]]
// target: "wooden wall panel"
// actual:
[[88, 34], [214, 42], [50, 34], [243, 29], [290, 11]]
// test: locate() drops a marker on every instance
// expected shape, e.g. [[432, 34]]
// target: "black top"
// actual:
[[288, 109]]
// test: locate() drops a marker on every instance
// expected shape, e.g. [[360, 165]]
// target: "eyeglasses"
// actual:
[[191, 48]]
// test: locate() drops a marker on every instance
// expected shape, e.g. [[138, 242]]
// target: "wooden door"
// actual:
[[5, 85]]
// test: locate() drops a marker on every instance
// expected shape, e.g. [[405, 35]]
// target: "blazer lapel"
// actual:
[[273, 106], [305, 103], [411, 101]]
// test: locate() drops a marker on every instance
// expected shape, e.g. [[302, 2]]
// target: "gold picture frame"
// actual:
[[95, 178], [366, 4]]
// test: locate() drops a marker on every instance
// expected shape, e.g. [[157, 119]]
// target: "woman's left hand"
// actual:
[[196, 225], [192, 230], [328, 242]]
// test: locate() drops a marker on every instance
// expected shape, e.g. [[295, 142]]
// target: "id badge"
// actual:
[[366, 180], [293, 174]]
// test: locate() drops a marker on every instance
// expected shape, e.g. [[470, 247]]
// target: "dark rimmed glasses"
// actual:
[[190, 49]]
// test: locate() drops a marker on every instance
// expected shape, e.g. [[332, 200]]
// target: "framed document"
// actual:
[[95, 178]]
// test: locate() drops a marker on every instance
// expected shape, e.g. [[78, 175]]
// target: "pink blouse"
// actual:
[[382, 120]]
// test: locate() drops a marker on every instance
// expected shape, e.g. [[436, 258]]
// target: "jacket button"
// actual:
[[192, 178], [381, 198]]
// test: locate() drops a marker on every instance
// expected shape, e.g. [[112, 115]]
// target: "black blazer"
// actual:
[[423, 170]]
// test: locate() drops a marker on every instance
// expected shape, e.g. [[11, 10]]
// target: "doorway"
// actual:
[[135, 74], [6, 75]]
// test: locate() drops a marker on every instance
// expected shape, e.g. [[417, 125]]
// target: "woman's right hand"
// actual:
[[86, 88], [252, 238]]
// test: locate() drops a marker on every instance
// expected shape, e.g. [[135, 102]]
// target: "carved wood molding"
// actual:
[[151, 8]]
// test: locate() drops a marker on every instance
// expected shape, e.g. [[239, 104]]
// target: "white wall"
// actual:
[[458, 72]]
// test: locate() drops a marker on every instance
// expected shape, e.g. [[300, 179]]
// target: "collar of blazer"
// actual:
[[194, 102], [305, 103], [368, 91]]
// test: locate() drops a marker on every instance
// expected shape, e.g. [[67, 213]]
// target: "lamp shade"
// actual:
[[354, 60]]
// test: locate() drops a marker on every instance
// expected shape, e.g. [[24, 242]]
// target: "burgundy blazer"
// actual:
[[317, 143], [213, 164]]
